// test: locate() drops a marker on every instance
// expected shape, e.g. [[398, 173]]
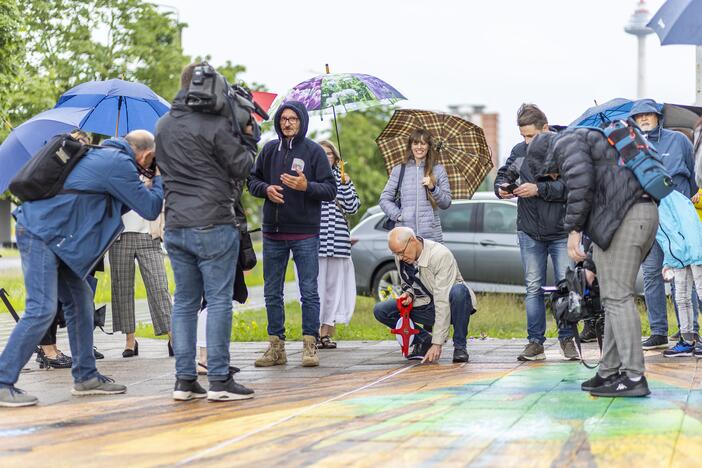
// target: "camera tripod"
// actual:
[[6, 301]]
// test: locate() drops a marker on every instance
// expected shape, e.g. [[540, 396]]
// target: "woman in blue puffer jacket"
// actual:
[[423, 190]]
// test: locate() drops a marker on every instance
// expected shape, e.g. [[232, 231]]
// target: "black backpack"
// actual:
[[44, 174]]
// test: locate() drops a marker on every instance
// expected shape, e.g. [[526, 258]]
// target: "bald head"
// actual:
[[399, 237], [140, 140]]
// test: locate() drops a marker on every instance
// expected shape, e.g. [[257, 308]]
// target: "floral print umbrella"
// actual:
[[334, 92]]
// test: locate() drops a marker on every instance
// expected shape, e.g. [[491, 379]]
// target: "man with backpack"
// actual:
[[606, 202], [60, 239], [676, 153]]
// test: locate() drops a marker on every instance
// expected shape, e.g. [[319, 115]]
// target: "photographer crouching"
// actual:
[[607, 203], [206, 146]]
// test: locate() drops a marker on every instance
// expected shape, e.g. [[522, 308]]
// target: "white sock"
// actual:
[[635, 379]]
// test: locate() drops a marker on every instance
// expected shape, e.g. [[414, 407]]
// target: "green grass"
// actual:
[[13, 283], [498, 316], [9, 253]]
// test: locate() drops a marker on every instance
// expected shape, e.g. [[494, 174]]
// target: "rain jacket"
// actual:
[[698, 154], [204, 165], [679, 232], [79, 228], [600, 192], [301, 211], [540, 217], [673, 147], [415, 210]]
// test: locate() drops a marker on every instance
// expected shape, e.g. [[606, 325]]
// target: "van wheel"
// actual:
[[386, 280]]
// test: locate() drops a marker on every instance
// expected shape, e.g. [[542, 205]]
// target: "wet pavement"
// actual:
[[364, 406]]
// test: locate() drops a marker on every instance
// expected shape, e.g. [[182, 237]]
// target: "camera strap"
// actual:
[[576, 337]]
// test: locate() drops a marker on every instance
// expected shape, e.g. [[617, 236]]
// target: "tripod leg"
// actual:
[[6, 301]]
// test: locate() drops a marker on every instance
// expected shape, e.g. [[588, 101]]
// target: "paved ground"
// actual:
[[364, 406]]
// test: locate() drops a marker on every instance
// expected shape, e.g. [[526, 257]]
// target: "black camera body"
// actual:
[[574, 300], [208, 90]]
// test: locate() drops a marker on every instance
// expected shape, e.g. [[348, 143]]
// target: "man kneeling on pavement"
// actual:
[[432, 283]]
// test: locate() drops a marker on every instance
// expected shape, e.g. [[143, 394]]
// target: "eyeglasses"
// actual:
[[402, 253], [291, 120]]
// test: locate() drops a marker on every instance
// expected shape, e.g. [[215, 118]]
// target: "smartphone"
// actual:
[[509, 188]]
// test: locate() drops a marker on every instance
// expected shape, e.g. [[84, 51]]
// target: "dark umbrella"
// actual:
[[680, 22], [460, 145]]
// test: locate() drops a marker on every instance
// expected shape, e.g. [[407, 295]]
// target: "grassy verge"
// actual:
[[9, 253], [499, 316], [13, 283]]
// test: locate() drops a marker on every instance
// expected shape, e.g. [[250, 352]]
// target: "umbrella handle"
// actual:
[[119, 111]]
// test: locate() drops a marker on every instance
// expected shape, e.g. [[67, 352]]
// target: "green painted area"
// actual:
[[538, 403]]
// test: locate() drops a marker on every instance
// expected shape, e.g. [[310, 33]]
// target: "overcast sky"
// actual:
[[559, 54]]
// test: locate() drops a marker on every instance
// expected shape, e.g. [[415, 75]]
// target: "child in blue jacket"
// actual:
[[680, 237]]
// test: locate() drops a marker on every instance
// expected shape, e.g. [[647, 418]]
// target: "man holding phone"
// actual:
[[293, 174], [540, 217]]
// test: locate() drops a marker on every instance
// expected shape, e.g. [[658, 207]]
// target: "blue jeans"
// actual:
[[47, 281], [654, 291], [275, 261], [534, 259], [204, 262], [461, 307]]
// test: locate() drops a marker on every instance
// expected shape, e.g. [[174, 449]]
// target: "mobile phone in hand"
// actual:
[[509, 188]]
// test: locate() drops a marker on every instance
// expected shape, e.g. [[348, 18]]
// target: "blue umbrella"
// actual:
[[617, 108], [680, 22], [26, 139], [118, 106]]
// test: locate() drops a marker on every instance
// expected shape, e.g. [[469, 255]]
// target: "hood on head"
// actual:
[[646, 106], [537, 152], [301, 111]]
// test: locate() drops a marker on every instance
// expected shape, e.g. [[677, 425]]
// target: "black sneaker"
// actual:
[[588, 335], [419, 350], [187, 390], [655, 342], [460, 355], [597, 381], [228, 390], [623, 387], [98, 354]]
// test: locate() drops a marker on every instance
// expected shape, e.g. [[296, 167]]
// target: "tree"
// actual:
[[11, 50], [364, 163]]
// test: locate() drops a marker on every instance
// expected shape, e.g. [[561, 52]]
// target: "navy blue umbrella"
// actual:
[[26, 139], [680, 22], [118, 106], [615, 109]]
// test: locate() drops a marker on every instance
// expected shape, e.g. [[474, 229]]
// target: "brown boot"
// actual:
[[309, 351], [274, 355]]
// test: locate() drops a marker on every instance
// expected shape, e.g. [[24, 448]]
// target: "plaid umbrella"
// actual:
[[459, 144]]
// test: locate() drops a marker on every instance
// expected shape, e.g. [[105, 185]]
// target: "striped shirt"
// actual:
[[334, 237]]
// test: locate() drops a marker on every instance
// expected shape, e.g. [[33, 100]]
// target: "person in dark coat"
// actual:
[[540, 212], [606, 202]]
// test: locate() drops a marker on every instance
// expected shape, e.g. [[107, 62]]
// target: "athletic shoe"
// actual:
[[597, 381], [99, 385], [460, 355], [588, 335], [623, 387], [228, 390], [13, 397], [532, 352], [681, 349], [655, 342], [569, 351], [187, 390], [698, 350]]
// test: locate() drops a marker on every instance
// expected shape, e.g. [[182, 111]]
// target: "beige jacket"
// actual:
[[438, 271]]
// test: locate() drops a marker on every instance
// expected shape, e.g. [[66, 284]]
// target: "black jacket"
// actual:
[[204, 165], [541, 217], [600, 192], [301, 212]]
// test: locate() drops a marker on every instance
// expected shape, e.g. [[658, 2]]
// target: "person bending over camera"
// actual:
[[606, 202]]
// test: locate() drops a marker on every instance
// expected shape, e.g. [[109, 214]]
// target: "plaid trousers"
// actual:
[[147, 252], [617, 268]]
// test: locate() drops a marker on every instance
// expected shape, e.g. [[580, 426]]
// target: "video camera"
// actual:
[[209, 92], [573, 300]]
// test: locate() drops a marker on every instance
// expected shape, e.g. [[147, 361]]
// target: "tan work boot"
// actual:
[[274, 355], [309, 351]]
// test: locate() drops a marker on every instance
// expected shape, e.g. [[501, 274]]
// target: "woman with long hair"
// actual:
[[336, 281], [423, 189]]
